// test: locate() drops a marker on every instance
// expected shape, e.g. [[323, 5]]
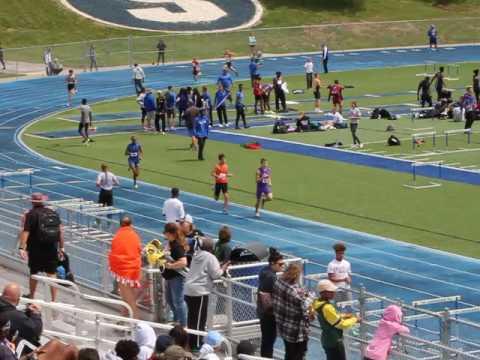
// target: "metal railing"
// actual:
[[125, 51]]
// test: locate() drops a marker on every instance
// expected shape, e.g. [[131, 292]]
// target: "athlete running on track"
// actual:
[[264, 185], [228, 55], [134, 152], [221, 175]]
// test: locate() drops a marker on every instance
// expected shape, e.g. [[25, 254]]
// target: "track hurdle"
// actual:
[[468, 132], [416, 110], [429, 185], [422, 135], [28, 172]]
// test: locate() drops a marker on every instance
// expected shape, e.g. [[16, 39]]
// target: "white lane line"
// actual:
[[372, 95]]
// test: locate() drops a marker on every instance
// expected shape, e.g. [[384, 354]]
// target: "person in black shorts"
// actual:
[[41, 247], [106, 181], [439, 79], [476, 84], [316, 91], [423, 92]]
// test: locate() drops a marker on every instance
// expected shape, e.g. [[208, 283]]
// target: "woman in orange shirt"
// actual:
[[125, 263], [221, 175]]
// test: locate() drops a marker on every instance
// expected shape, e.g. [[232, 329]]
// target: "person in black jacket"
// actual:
[[27, 323]]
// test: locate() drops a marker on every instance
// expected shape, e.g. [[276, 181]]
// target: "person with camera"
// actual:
[[25, 324]]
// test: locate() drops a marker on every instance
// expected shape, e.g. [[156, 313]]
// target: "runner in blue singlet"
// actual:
[[134, 152]]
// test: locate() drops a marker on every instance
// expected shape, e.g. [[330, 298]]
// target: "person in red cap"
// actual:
[[41, 241], [125, 262]]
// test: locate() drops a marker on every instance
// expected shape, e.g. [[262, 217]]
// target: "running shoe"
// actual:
[[135, 186]]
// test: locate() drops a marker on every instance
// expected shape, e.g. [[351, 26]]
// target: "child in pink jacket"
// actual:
[[390, 325]]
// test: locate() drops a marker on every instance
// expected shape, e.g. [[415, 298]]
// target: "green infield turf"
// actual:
[[357, 197]]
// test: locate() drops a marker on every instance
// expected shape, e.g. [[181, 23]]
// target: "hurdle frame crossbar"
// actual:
[[430, 184], [420, 135], [27, 171], [468, 132]]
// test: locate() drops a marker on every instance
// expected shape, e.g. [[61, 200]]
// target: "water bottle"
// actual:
[[61, 273]]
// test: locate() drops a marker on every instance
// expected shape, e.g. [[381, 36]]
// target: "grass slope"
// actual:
[[48, 22], [356, 197]]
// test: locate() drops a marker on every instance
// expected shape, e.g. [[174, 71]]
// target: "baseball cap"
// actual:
[[175, 352], [326, 285], [214, 339], [38, 197]]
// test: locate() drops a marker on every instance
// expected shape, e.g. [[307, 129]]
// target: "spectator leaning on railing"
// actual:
[[199, 282]]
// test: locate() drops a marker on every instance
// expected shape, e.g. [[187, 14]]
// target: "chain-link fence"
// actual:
[[108, 53]]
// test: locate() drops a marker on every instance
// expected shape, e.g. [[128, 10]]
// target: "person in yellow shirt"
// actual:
[[331, 321]]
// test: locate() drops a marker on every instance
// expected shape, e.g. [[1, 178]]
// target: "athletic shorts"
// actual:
[[220, 188], [171, 112], [70, 87], [105, 197], [134, 162], [316, 94], [433, 41], [337, 100], [263, 190], [42, 262], [195, 72], [82, 126]]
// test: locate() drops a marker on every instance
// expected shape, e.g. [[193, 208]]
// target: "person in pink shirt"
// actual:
[[391, 324]]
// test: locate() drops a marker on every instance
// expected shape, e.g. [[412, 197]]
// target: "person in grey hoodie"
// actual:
[[204, 270]]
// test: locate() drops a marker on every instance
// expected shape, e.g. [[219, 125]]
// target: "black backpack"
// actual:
[[393, 141], [49, 226]]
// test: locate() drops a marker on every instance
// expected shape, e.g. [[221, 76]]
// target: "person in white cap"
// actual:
[[173, 208], [41, 241], [331, 321]]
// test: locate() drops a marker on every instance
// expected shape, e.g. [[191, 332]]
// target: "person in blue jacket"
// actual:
[[227, 83], [200, 130], [150, 106], [221, 97], [207, 103]]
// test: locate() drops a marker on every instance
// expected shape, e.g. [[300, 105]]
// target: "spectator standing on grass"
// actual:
[[150, 105], [252, 42], [174, 273], [48, 61], [106, 181], [253, 70], [221, 97], [325, 54], [125, 263], [240, 107], [140, 101], [355, 114], [292, 312], [199, 283], [28, 323], [469, 104], [92, 57], [161, 47], [309, 72], [278, 87], [336, 94], [160, 114], [258, 95], [225, 79], [332, 322], [266, 91], [439, 79], [41, 241], [138, 78], [423, 92], [266, 282], [182, 103], [200, 131], [340, 273], [207, 104], [2, 58], [173, 209], [190, 115], [390, 325], [317, 83], [85, 123], [476, 84], [223, 248], [432, 36], [170, 101]]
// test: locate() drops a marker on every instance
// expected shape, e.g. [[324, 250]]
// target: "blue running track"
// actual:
[[384, 266]]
